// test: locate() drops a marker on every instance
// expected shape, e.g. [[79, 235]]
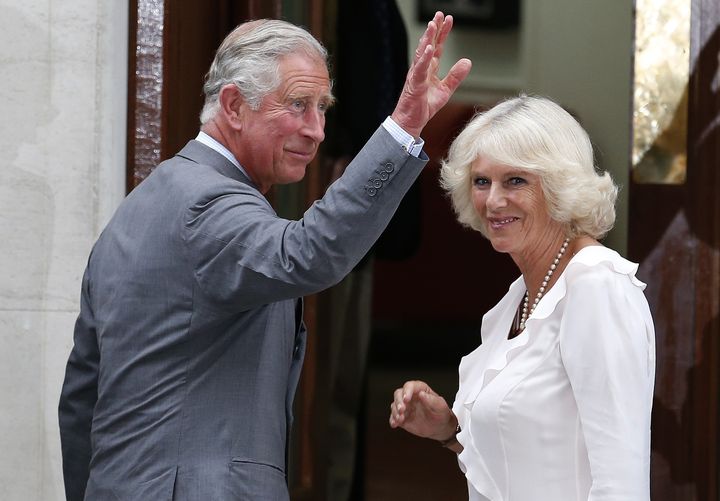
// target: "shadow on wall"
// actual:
[[26, 199]]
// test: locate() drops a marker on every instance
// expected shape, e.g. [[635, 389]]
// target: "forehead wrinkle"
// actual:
[[304, 76], [303, 86]]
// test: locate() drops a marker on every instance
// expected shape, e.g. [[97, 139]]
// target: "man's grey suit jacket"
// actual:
[[190, 340]]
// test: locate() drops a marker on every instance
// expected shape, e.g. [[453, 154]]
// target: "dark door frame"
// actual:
[[674, 233]]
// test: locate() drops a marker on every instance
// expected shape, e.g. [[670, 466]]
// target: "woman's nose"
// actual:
[[496, 197]]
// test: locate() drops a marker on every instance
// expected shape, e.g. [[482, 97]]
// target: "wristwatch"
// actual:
[[452, 439]]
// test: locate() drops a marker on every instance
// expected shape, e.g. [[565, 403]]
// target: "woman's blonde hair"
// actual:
[[536, 135]]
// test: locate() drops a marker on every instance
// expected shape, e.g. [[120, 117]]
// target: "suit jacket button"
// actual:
[[371, 191], [384, 176], [389, 167], [376, 183]]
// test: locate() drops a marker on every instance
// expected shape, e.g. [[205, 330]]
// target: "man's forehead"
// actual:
[[306, 75]]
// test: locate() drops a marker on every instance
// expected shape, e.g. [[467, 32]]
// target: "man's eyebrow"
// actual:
[[296, 95], [326, 99]]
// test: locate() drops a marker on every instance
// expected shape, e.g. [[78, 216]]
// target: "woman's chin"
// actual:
[[500, 245]]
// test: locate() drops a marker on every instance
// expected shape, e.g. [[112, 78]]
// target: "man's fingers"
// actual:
[[442, 35], [422, 67], [457, 74], [426, 39], [429, 36]]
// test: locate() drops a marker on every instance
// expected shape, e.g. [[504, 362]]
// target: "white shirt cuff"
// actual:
[[405, 140]]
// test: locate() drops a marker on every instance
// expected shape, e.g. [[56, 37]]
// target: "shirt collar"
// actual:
[[211, 142]]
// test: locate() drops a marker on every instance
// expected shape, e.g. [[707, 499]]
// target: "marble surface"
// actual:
[[63, 101]]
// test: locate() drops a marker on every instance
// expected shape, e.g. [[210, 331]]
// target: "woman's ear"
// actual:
[[232, 105]]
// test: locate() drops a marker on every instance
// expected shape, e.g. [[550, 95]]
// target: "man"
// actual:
[[189, 342]]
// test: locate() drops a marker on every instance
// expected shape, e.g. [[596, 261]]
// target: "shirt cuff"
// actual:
[[405, 140]]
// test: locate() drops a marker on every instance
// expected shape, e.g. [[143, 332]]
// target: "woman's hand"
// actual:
[[417, 409]]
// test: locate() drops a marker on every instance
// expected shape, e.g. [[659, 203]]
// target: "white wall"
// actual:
[[63, 102], [580, 54], [577, 52]]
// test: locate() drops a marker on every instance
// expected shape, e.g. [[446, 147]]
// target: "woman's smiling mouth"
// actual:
[[497, 223]]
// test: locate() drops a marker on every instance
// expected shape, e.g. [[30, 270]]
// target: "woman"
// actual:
[[555, 403]]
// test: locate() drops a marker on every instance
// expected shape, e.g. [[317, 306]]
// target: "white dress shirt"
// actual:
[[562, 411]]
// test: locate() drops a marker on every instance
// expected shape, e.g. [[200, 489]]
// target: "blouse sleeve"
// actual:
[[607, 348]]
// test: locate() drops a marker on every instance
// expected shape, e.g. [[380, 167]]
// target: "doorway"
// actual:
[[674, 232]]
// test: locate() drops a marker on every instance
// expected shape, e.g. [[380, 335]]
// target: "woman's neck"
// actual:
[[535, 266]]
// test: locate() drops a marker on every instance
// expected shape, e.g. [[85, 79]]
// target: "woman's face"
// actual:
[[512, 207]]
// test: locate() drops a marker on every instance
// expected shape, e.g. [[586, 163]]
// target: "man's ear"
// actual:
[[232, 105]]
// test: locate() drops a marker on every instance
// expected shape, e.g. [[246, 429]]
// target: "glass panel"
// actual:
[[662, 51]]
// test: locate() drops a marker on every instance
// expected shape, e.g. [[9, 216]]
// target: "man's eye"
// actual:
[[298, 105]]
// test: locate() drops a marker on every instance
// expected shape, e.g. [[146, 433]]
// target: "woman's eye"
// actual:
[[480, 181], [516, 181]]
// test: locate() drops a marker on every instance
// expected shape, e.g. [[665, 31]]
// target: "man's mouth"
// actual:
[[305, 155]]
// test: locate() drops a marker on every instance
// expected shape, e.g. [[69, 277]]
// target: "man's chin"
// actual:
[[294, 175]]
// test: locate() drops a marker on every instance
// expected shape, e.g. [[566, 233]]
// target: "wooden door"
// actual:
[[674, 232]]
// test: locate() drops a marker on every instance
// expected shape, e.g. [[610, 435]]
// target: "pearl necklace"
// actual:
[[525, 312]]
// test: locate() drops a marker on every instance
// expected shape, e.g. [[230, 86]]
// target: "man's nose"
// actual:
[[315, 125]]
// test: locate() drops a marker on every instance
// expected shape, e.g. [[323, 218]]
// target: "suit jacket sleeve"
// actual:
[[77, 400], [245, 255]]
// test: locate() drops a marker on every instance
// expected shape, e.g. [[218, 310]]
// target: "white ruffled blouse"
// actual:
[[562, 411]]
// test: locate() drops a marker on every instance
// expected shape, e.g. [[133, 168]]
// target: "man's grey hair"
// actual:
[[249, 58]]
